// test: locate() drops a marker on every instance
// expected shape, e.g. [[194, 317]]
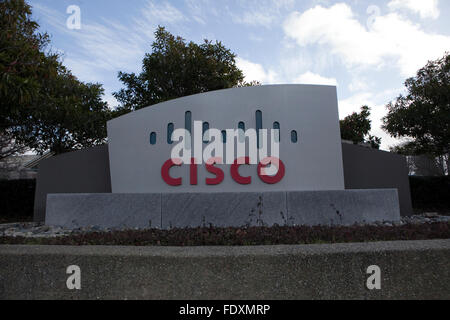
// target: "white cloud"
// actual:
[[154, 14], [200, 10], [392, 40], [313, 78], [110, 45], [354, 103], [112, 102], [106, 47], [377, 104], [357, 85], [255, 72], [255, 18], [263, 13], [425, 8], [162, 12], [103, 47], [255, 38]]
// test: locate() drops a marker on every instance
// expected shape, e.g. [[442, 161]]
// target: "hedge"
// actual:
[[17, 199]]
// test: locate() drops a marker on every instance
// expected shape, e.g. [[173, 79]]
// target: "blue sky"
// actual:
[[366, 48]]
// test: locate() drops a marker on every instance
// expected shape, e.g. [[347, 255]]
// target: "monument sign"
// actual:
[[253, 156]]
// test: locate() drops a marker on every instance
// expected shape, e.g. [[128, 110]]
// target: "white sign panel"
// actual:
[[145, 147]]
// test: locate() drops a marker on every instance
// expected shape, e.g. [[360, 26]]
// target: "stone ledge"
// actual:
[[409, 270], [192, 210], [105, 210]]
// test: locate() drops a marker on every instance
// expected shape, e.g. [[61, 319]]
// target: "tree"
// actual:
[[356, 128], [9, 146], [22, 66], [423, 115], [175, 69], [23, 63], [43, 106], [70, 116]]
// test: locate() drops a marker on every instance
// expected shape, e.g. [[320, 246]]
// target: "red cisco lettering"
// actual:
[[214, 170], [166, 175], [235, 171], [219, 174]]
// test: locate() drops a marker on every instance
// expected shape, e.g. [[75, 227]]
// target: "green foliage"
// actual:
[[424, 113], [43, 106], [176, 69], [356, 128], [69, 115], [23, 64], [405, 148]]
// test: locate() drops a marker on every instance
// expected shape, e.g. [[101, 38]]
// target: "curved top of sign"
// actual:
[[305, 117], [227, 92]]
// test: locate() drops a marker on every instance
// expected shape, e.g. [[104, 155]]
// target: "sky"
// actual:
[[366, 48]]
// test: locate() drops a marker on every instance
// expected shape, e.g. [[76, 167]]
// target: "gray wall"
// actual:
[[85, 171], [366, 168], [409, 270]]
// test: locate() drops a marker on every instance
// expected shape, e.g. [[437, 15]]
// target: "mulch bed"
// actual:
[[246, 236]]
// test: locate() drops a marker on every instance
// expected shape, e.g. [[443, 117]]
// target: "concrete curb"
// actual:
[[409, 270]]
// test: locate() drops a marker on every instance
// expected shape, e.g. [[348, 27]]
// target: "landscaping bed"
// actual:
[[276, 235]]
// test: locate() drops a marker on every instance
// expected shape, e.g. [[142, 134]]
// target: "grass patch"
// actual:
[[245, 236]]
